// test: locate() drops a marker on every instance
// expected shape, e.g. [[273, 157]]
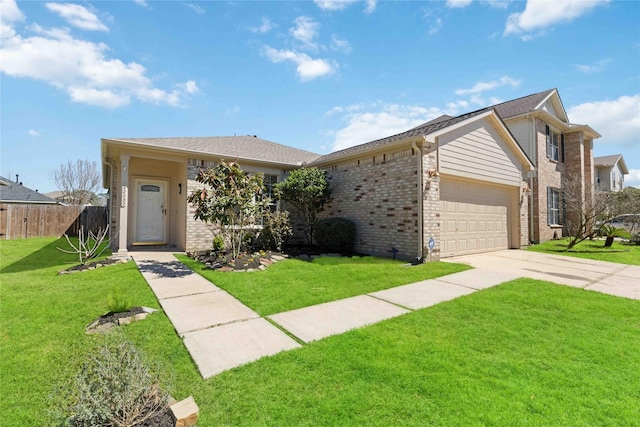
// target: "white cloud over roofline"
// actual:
[[617, 120]]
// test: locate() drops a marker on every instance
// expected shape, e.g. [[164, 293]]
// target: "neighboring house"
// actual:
[[610, 172], [66, 199], [452, 186], [15, 192]]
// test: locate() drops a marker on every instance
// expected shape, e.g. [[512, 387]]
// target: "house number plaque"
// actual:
[[123, 199]]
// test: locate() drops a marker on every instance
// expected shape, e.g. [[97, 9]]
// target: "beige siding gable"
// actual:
[[477, 151]]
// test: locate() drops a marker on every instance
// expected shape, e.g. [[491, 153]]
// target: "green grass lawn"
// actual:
[[293, 283], [622, 253], [523, 353]]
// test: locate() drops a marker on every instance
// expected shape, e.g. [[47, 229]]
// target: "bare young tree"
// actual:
[[584, 210], [78, 181]]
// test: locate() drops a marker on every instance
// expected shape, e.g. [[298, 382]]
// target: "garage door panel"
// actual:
[[474, 217]]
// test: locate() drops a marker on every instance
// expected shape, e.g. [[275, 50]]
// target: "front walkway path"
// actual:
[[222, 333]]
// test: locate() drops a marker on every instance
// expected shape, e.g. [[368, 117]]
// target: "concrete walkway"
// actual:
[[221, 333], [606, 277]]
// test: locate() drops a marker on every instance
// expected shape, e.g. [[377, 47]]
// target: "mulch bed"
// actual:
[[93, 265]]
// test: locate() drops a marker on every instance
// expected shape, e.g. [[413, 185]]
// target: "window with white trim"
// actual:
[[268, 182], [553, 206], [555, 145]]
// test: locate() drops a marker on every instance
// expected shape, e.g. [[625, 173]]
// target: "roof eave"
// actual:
[[123, 143], [369, 151]]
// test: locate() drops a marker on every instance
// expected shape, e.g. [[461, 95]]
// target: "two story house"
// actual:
[[610, 172]]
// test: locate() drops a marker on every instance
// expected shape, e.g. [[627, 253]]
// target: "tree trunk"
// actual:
[[608, 242]]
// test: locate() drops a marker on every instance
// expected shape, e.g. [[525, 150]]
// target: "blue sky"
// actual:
[[319, 76]]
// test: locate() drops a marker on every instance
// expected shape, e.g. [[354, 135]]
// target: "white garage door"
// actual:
[[473, 217]]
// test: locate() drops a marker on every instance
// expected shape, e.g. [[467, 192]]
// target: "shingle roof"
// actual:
[[11, 191], [519, 106], [606, 160], [230, 147], [506, 109], [424, 129]]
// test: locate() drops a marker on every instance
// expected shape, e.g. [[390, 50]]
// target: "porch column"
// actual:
[[124, 208]]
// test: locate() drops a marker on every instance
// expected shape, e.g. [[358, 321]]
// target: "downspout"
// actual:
[[419, 258]]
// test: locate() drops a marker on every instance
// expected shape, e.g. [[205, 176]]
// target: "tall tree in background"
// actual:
[[78, 181]]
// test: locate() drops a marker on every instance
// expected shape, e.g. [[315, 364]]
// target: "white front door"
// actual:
[[151, 211]]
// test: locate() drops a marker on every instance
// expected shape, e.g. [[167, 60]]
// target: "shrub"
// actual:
[[335, 234], [276, 229], [115, 388], [218, 244], [117, 301]]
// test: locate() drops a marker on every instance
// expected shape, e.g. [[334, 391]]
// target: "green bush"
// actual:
[[276, 229], [335, 234], [114, 388], [118, 301], [218, 244]]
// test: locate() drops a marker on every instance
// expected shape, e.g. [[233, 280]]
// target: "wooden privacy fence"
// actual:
[[18, 221]]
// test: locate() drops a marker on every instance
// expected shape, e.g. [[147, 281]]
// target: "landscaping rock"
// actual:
[[109, 320]]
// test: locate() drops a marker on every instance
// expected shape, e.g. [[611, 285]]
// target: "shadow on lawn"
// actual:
[[46, 257]]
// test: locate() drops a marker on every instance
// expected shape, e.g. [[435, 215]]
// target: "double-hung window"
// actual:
[[555, 145], [553, 206], [269, 182]]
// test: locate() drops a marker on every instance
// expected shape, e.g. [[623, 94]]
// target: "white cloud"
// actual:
[[539, 15], [618, 121], [307, 67], [437, 25], [458, 3], [33, 132], [498, 4], [390, 119], [340, 45], [264, 27], [305, 30], [78, 16], [370, 6], [480, 87], [595, 68], [80, 68], [141, 3], [334, 4], [632, 179], [196, 8]]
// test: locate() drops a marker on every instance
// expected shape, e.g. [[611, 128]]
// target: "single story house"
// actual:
[[452, 186], [16, 193]]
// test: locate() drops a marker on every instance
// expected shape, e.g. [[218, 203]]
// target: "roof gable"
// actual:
[[611, 161]]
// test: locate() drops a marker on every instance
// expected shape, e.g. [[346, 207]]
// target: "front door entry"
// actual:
[[151, 212]]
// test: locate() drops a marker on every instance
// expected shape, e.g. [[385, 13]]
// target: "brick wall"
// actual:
[[380, 195], [199, 234], [549, 174]]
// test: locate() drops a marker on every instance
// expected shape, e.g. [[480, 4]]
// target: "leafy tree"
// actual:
[[230, 201], [307, 191], [78, 181]]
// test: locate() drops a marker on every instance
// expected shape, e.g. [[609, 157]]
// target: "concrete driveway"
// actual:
[[606, 277]]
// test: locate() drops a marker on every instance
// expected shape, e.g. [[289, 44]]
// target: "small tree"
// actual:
[[584, 209], [230, 201], [78, 181], [307, 190]]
